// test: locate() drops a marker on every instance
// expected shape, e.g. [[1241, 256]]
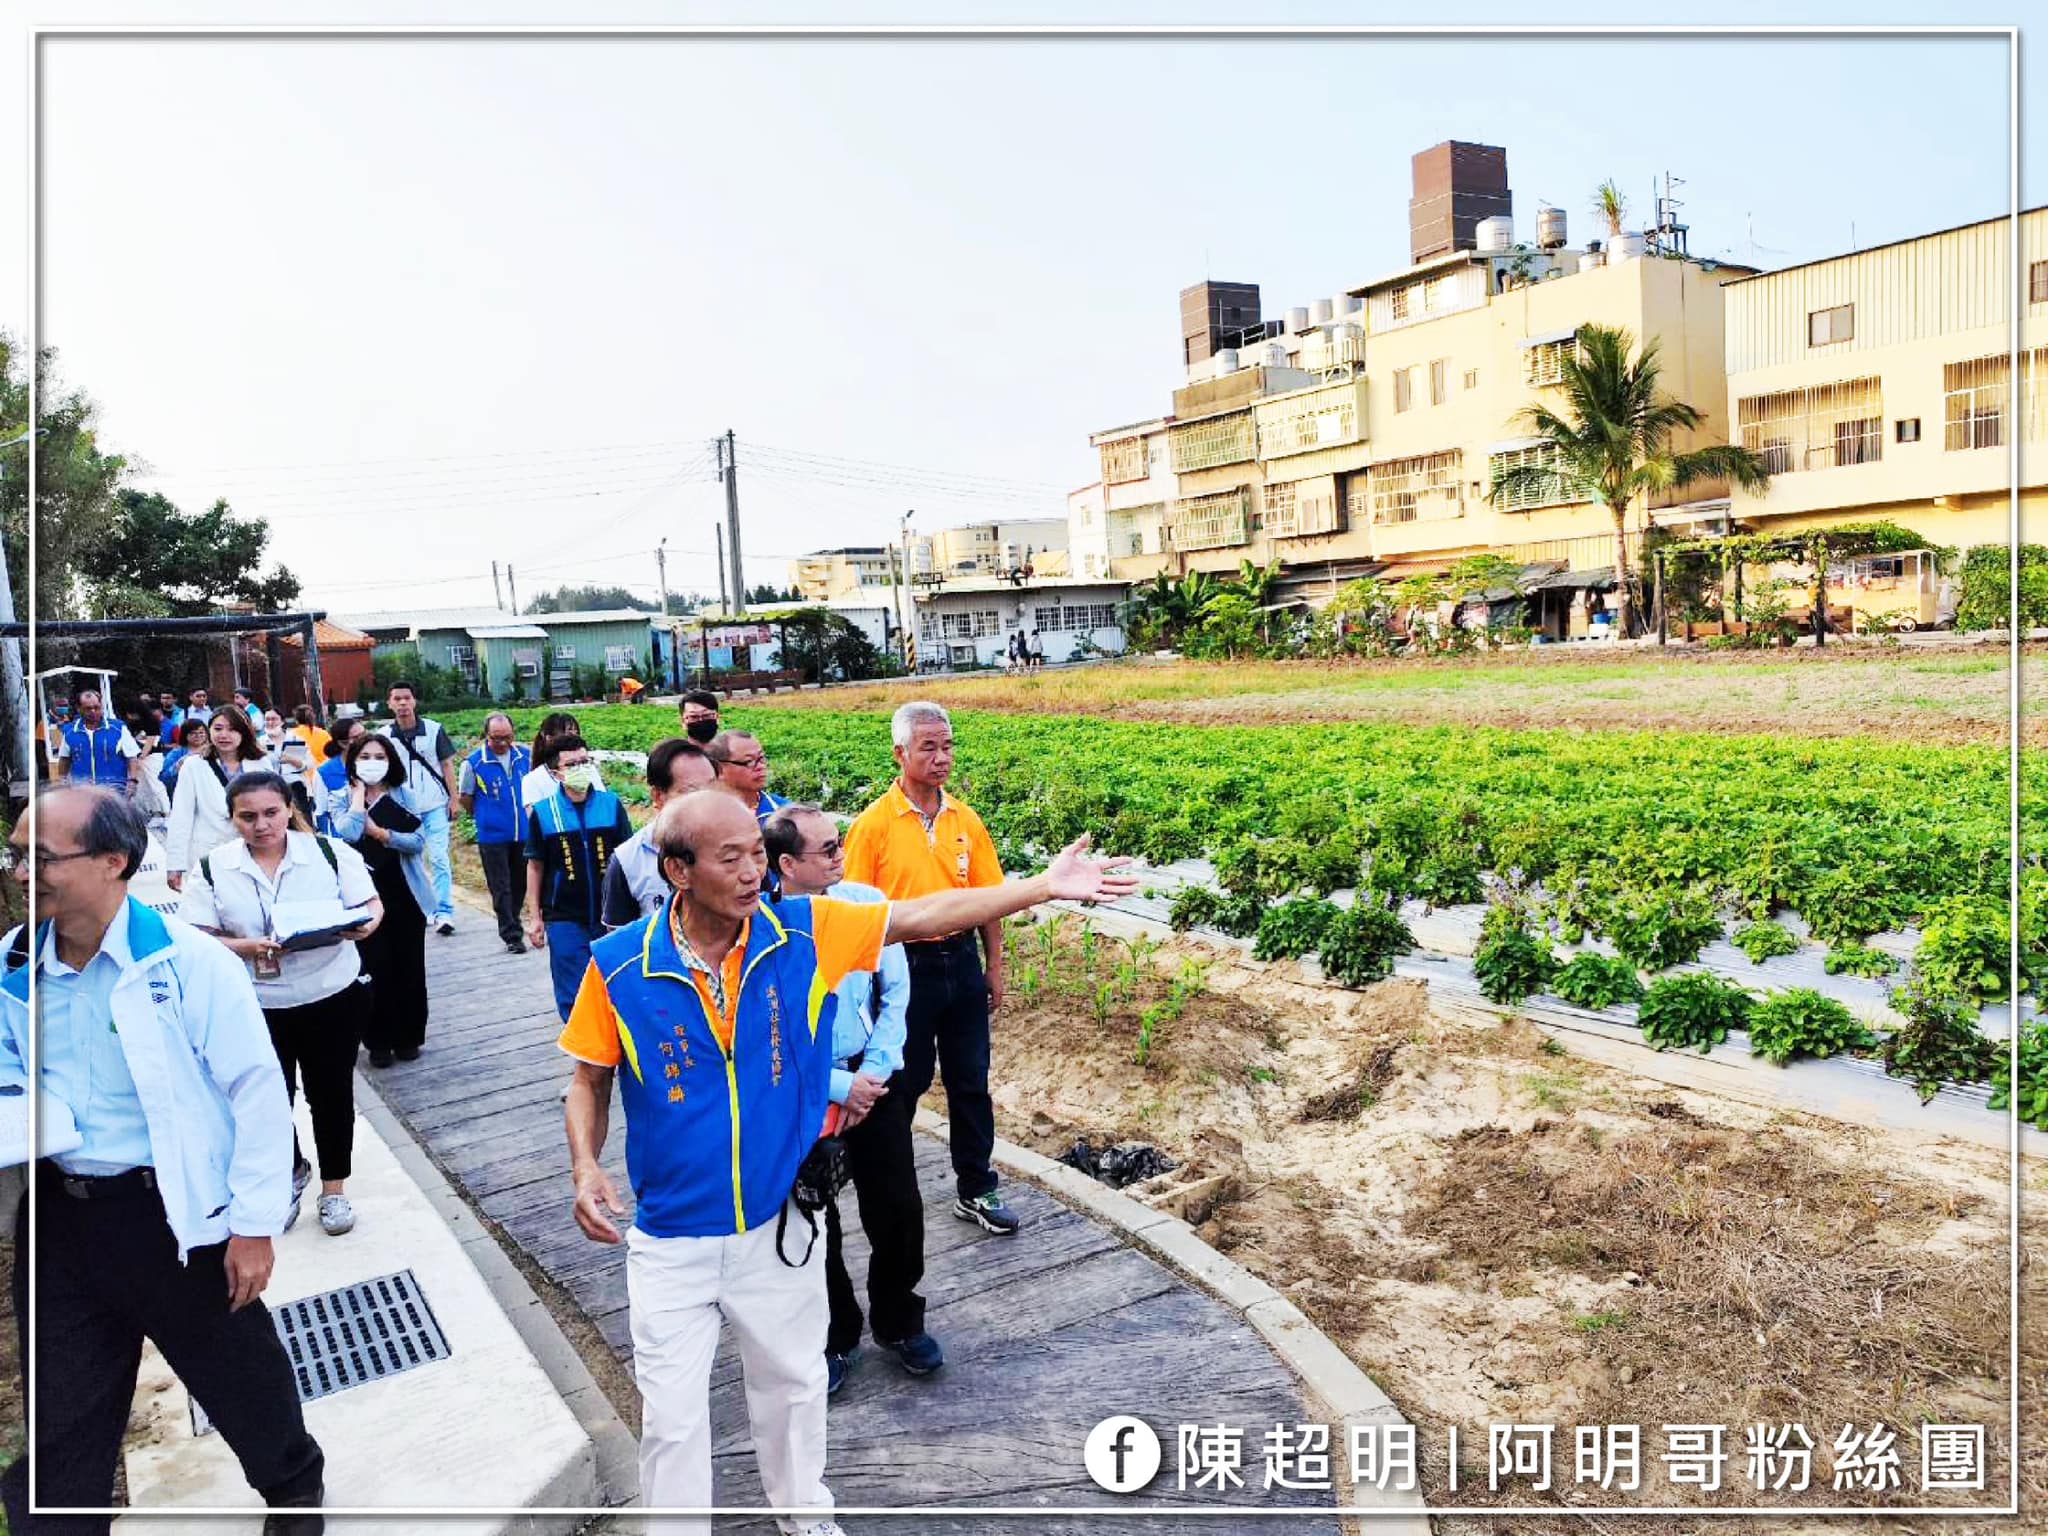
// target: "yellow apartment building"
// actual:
[[1879, 384], [1367, 438], [829, 574]]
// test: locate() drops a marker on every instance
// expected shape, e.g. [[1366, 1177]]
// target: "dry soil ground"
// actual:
[[1947, 693], [1500, 1233]]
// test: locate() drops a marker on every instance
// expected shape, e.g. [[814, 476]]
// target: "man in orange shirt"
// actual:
[[913, 841]]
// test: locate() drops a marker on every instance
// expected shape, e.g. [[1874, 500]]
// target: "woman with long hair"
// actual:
[[199, 801], [378, 819], [541, 782], [312, 997]]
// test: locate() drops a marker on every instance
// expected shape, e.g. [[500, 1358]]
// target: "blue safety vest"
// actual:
[[496, 810], [96, 755]]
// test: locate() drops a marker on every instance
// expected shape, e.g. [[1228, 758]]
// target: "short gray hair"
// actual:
[[114, 825], [499, 715], [910, 716]]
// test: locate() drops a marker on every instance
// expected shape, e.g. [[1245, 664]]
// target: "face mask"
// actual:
[[583, 776], [701, 731], [371, 770]]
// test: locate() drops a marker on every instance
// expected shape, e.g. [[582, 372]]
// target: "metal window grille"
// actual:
[[1471, 378], [1218, 440], [1358, 498], [618, 658], [1404, 389], [1400, 299], [1281, 506], [1822, 427], [1975, 395], [565, 653], [463, 656], [1543, 364], [1045, 618], [1075, 619], [1549, 490], [2037, 282], [2033, 405], [1825, 327], [1321, 419], [1220, 521], [1335, 352], [1123, 460], [1425, 486], [1439, 381]]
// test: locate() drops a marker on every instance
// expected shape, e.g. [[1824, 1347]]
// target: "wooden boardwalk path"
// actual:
[[1045, 1333]]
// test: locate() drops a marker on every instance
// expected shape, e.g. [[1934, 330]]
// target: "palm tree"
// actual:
[[1610, 207], [1615, 440], [1257, 583]]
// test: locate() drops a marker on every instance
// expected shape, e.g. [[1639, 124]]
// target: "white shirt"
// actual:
[[239, 900], [536, 787]]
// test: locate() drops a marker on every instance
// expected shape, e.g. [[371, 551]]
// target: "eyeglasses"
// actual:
[[830, 850], [12, 859], [758, 760]]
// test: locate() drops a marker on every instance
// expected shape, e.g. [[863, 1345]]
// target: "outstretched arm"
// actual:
[[1073, 876]]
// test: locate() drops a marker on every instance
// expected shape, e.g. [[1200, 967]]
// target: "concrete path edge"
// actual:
[[1347, 1393]]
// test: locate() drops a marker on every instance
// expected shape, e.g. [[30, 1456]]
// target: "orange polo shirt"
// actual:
[[887, 847]]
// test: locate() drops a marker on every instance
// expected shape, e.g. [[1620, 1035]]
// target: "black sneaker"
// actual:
[[919, 1354], [408, 1053], [515, 947], [301, 1517], [990, 1212], [835, 1370], [380, 1058]]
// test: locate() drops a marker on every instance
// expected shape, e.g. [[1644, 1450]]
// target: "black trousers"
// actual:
[[947, 1029], [108, 1276], [396, 958], [883, 1163], [14, 1481], [318, 1041], [505, 873]]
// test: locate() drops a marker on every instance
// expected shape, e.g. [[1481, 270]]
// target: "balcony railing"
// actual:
[[1212, 522], [1218, 440], [1335, 352]]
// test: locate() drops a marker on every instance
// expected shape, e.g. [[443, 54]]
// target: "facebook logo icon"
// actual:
[[1122, 1454]]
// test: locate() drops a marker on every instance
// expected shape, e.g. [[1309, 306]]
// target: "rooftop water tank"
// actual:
[[1276, 355], [1297, 320], [1496, 234], [1549, 229], [1319, 312], [1226, 361], [1349, 303], [1627, 246]]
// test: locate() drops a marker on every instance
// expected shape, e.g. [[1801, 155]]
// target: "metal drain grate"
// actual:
[[359, 1333]]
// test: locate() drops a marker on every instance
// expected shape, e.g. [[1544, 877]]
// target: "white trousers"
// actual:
[[679, 1287]]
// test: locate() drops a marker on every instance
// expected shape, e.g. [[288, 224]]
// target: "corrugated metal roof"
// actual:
[[506, 632], [412, 620]]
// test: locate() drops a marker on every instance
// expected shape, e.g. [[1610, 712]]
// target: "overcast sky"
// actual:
[[426, 304]]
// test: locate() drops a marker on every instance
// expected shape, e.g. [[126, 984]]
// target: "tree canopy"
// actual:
[[151, 559]]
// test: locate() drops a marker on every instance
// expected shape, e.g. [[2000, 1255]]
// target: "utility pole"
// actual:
[[661, 565], [497, 596], [724, 602], [513, 583], [730, 471], [905, 597]]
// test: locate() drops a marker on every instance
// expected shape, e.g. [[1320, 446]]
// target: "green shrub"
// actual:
[[1847, 905], [1511, 962], [1939, 1042], [1985, 601], [1801, 1022], [1237, 915], [1965, 948], [1361, 942], [1597, 981], [1657, 930], [2032, 1097], [1763, 940], [1694, 1009], [1293, 929], [1859, 960]]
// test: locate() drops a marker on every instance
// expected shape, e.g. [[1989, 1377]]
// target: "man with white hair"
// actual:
[[914, 841]]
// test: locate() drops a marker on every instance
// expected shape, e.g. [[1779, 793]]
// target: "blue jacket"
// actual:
[[713, 1140], [350, 825], [220, 1126], [496, 810], [96, 755]]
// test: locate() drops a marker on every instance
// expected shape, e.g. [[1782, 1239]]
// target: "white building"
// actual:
[[969, 622]]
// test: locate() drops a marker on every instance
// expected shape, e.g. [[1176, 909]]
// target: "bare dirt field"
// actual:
[[1944, 693], [1498, 1232]]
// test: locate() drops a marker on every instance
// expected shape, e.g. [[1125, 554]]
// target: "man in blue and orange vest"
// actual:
[[721, 1008], [489, 788], [92, 749]]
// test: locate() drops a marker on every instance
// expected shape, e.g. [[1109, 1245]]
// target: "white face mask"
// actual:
[[371, 770]]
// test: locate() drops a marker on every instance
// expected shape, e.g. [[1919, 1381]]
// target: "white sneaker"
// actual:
[[336, 1215]]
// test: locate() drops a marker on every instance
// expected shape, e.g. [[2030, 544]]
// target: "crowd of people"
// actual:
[[772, 995]]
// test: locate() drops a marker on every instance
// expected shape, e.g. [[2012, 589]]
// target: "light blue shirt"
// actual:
[[857, 1029], [83, 1063]]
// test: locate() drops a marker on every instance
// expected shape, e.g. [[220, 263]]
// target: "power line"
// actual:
[[692, 442]]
